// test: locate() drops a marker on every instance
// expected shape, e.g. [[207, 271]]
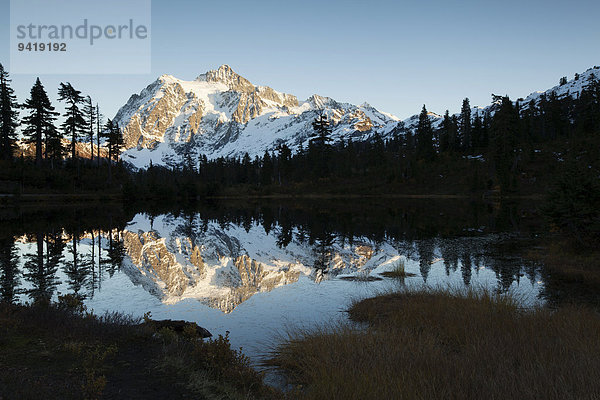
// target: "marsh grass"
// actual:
[[398, 271], [447, 344], [361, 276]]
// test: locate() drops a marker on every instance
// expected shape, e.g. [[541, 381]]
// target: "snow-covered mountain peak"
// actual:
[[166, 78], [227, 76], [319, 102], [221, 113]]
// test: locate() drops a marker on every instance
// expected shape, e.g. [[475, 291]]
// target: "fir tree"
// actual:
[[477, 132], [425, 148], [454, 137], [54, 144], [266, 171], [40, 121], [485, 128], [74, 124], [99, 119], [445, 133], [107, 133], [8, 116], [246, 169], [319, 147], [284, 163], [322, 128], [504, 142], [90, 119], [465, 125], [114, 142]]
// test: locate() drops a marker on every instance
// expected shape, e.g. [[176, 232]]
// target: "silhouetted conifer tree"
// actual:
[[40, 121], [74, 124], [8, 116]]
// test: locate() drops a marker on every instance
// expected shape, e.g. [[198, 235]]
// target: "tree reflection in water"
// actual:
[[86, 246]]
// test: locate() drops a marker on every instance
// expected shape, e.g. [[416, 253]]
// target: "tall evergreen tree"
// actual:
[[8, 116], [319, 147], [465, 125], [90, 119], [322, 127], [425, 148], [266, 171], [503, 139], [454, 136], [476, 132], [445, 133], [114, 140], [485, 130], [55, 149], [40, 121], [74, 124], [284, 163], [99, 121]]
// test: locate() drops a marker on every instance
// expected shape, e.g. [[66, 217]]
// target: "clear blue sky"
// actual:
[[396, 55]]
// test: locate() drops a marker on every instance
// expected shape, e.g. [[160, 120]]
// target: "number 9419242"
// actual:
[[42, 46]]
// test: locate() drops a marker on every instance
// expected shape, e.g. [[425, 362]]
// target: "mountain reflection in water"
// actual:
[[222, 255]]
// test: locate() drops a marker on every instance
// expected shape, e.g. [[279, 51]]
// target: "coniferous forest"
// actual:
[[545, 148]]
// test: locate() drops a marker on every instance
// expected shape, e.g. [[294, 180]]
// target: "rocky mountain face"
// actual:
[[221, 113], [222, 266]]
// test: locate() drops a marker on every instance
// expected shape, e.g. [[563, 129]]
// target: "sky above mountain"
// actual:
[[396, 55]]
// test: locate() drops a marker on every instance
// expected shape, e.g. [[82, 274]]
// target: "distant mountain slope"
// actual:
[[222, 114]]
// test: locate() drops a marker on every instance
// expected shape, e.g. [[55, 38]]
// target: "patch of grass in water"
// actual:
[[361, 276], [398, 271], [447, 344]]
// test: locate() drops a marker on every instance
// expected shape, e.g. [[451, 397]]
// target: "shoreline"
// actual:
[[115, 197]]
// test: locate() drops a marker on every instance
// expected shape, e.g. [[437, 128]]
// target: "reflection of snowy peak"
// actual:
[[223, 114], [224, 265]]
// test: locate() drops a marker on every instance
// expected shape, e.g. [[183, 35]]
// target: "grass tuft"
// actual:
[[398, 271], [361, 276]]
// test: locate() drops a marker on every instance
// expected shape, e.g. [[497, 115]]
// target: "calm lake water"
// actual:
[[256, 270]]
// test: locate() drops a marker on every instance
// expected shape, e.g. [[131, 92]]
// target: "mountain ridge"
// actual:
[[223, 114]]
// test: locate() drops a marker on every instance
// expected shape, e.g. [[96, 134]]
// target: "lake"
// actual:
[[257, 269]]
